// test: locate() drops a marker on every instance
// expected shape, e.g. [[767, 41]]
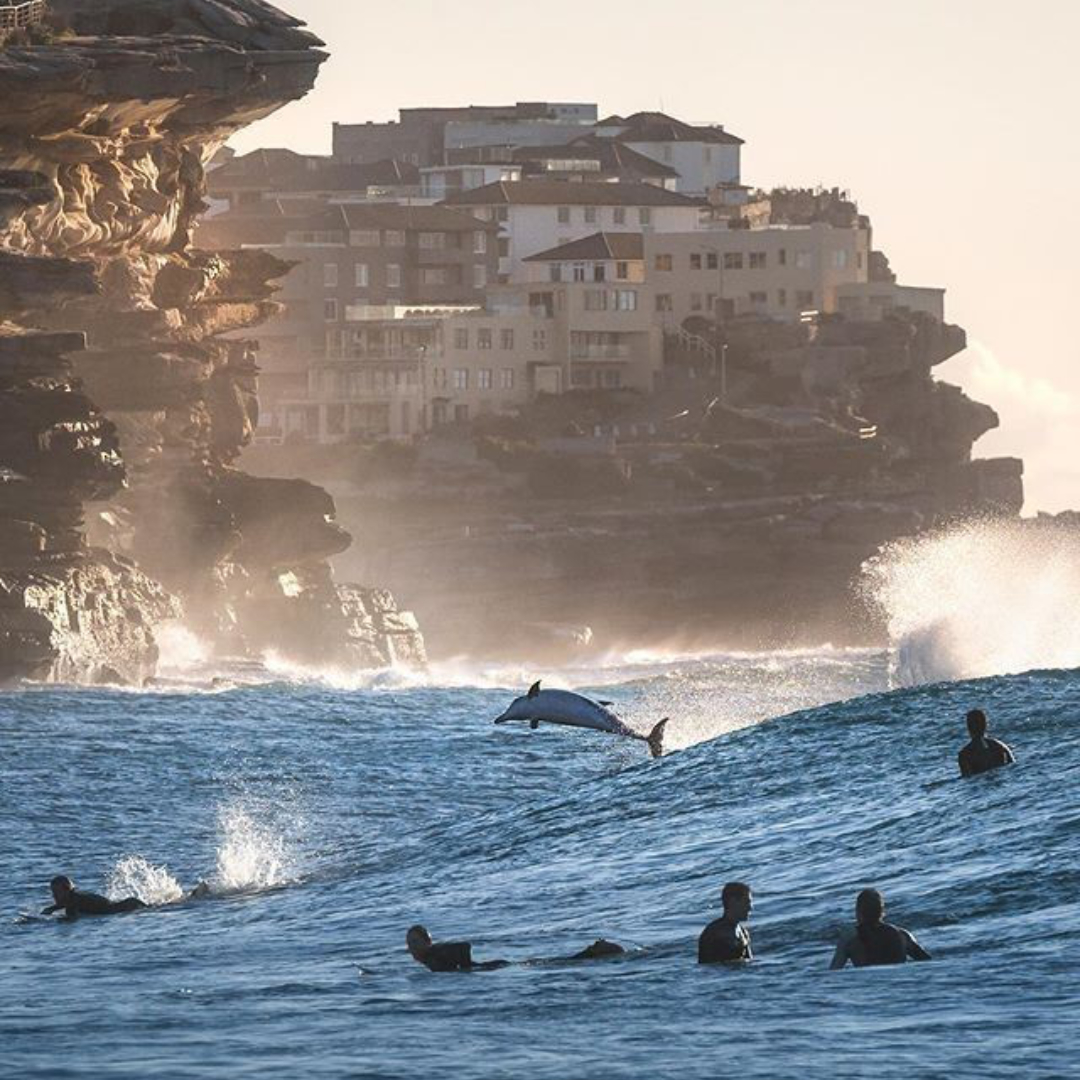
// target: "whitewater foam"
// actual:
[[981, 599]]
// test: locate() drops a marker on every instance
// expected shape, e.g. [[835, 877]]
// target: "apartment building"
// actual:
[[537, 215], [265, 176], [442, 181], [871, 301], [779, 272], [591, 159], [423, 136], [705, 156]]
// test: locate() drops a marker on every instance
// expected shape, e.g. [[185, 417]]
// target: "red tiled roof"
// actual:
[[600, 246]]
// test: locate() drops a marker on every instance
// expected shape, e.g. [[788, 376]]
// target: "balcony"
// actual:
[[599, 352]]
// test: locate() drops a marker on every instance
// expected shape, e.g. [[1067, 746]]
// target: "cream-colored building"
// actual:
[[779, 271], [872, 300]]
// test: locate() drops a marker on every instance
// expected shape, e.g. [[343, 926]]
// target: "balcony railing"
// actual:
[[599, 352], [16, 16]]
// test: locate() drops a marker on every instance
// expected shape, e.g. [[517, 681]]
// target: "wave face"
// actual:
[[326, 821], [987, 598]]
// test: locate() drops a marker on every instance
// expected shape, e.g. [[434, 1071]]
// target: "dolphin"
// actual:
[[565, 707]]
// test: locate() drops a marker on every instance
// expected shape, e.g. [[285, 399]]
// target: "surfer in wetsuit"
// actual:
[[983, 753], [447, 955], [75, 903], [873, 941], [726, 939]]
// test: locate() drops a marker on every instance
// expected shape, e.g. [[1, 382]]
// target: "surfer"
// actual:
[[874, 941], [447, 955], [983, 753], [74, 902], [726, 939], [574, 710]]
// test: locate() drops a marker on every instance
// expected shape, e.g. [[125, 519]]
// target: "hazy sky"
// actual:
[[951, 121]]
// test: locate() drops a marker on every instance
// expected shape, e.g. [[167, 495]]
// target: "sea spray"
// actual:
[[981, 599], [135, 876], [255, 852]]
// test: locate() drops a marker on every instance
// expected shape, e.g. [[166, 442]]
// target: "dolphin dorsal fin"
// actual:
[[534, 689]]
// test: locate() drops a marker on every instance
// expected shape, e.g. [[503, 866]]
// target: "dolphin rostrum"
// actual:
[[565, 707]]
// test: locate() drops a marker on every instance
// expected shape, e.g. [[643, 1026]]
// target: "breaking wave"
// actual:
[[981, 599]]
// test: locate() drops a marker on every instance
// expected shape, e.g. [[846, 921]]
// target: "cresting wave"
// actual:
[[981, 599]]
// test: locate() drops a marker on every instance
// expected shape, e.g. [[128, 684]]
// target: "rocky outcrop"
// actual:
[[118, 390]]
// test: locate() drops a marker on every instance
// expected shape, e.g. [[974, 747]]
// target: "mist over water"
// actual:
[[986, 598]]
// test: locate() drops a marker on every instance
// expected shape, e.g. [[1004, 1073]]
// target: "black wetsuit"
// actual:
[[722, 942], [598, 950], [88, 903], [456, 956], [881, 943], [982, 755]]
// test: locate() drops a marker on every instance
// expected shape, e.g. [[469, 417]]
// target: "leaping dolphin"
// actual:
[[565, 707]]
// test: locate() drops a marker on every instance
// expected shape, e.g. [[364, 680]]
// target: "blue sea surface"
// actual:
[[328, 819]]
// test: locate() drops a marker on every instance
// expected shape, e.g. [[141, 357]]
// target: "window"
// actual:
[[663, 302], [364, 238], [757, 260], [645, 215], [733, 260], [434, 241], [461, 378], [360, 275], [712, 261], [804, 299], [506, 379], [695, 301], [622, 271], [330, 310], [596, 300], [563, 215], [504, 249], [663, 262], [393, 276], [479, 273], [840, 259], [579, 271], [539, 341], [804, 260], [625, 300], [434, 275], [506, 338], [480, 243], [502, 214], [620, 215], [590, 215], [484, 379], [695, 261], [483, 338], [612, 379], [329, 275], [555, 272], [759, 298], [781, 257], [461, 337], [781, 297], [394, 238]]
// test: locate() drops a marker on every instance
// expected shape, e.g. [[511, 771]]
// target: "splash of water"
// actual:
[[981, 599], [253, 854], [134, 876]]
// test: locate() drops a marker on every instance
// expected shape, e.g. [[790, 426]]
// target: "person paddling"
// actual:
[[983, 753], [873, 941], [73, 902]]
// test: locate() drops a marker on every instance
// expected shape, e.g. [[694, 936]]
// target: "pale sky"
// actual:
[[952, 122]]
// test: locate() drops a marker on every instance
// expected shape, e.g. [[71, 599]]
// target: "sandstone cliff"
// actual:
[[120, 401]]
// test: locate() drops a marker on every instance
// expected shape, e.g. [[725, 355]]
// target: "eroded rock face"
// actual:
[[116, 386]]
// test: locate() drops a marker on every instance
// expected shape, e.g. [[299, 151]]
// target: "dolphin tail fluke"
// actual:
[[655, 738]]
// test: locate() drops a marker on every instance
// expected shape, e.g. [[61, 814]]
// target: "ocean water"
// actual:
[[330, 811], [328, 819]]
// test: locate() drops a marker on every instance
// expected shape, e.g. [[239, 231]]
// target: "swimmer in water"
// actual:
[[725, 939], [74, 903], [983, 753], [873, 941], [447, 955]]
